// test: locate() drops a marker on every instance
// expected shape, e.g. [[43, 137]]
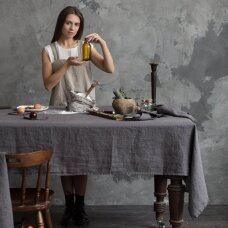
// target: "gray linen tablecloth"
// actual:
[[86, 144], [6, 215]]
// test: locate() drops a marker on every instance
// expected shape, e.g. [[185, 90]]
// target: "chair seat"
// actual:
[[29, 204]]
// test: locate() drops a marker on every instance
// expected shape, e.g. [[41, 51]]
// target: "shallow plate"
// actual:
[[29, 108]]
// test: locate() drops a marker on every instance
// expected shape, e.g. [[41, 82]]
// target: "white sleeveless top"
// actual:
[[64, 53]]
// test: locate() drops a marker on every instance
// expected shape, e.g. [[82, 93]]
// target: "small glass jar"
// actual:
[[146, 104], [86, 51]]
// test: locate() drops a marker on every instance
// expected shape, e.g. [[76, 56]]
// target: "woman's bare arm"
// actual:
[[51, 79]]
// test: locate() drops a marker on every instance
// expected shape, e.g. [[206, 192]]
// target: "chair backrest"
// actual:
[[37, 159]]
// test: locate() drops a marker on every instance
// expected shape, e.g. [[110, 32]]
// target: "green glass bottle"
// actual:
[[86, 51]]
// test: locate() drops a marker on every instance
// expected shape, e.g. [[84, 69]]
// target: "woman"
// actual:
[[64, 70]]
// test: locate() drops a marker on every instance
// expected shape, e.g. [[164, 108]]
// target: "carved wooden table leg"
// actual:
[[176, 201], [160, 188]]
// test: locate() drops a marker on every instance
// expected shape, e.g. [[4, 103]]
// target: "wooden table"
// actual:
[[165, 147]]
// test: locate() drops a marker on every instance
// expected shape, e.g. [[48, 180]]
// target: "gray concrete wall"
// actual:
[[188, 38]]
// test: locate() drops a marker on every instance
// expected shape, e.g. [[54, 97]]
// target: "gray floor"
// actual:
[[141, 217]]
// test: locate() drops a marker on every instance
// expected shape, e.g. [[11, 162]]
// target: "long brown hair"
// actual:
[[61, 19]]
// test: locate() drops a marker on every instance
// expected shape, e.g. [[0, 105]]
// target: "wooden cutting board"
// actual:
[[107, 115]]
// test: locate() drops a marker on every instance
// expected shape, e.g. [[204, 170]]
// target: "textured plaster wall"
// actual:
[[188, 38]]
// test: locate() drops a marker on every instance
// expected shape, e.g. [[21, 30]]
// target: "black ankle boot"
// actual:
[[80, 217], [69, 208]]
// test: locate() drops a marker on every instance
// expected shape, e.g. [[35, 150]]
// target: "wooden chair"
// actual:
[[38, 198]]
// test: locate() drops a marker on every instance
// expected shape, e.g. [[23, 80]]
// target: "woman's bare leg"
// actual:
[[80, 183], [67, 184]]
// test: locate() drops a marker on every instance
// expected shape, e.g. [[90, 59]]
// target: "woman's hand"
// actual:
[[75, 61], [94, 38]]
